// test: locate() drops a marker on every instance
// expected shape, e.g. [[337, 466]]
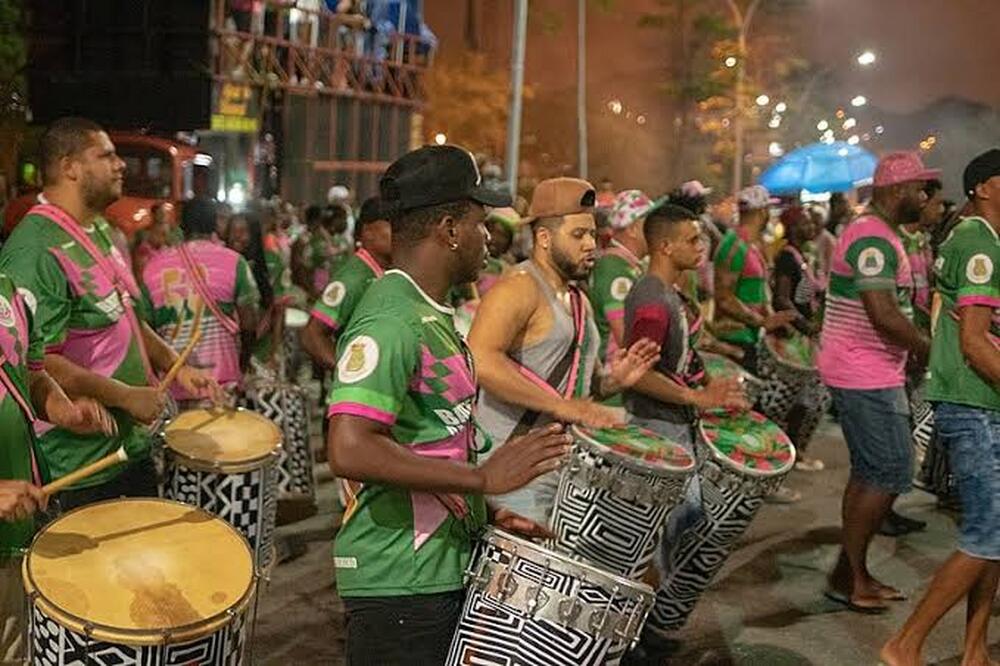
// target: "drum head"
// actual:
[[720, 366], [222, 436], [638, 448], [136, 568], [295, 318], [796, 349], [748, 442]]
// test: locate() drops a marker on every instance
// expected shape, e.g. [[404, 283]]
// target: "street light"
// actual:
[[850, 123], [730, 62], [822, 126], [860, 100], [780, 107], [854, 139], [440, 139], [775, 149], [867, 59], [763, 100]]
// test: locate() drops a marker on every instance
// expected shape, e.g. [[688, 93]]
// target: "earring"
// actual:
[[454, 246]]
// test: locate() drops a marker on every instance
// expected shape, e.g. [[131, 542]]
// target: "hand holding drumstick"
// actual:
[[193, 380]]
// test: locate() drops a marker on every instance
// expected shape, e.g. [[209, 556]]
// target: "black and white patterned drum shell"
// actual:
[[287, 406], [529, 605], [247, 499], [609, 509]]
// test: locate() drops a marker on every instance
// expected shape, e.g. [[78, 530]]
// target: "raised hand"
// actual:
[[628, 367], [521, 459]]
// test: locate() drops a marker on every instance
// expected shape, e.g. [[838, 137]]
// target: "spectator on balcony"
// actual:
[[304, 20]]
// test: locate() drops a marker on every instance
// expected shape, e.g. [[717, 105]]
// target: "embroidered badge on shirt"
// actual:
[[334, 294], [979, 270], [620, 288], [871, 261], [358, 360]]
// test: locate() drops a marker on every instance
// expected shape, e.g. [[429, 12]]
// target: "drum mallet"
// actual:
[[107, 461]]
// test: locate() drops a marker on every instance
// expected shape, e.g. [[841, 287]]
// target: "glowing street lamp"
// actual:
[[440, 138], [867, 58], [823, 126], [860, 100], [730, 62], [854, 139], [850, 123], [763, 100], [780, 107]]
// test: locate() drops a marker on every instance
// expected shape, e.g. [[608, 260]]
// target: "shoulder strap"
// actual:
[[124, 283], [231, 324]]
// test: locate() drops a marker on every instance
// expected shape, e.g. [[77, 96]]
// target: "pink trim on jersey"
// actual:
[[615, 314], [364, 411], [853, 355], [365, 256], [325, 318], [978, 299]]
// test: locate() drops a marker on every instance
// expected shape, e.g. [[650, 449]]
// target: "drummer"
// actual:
[[401, 424], [222, 296], [332, 310], [81, 293], [618, 267], [535, 341], [26, 392]]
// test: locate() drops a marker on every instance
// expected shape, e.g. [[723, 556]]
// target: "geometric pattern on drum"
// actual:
[[246, 500], [598, 526], [496, 634], [922, 424], [935, 472], [54, 645], [701, 552], [287, 406]]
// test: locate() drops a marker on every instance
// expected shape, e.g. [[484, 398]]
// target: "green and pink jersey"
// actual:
[[22, 351], [853, 354], [918, 251], [616, 270], [201, 275], [83, 310], [401, 364], [737, 254], [966, 276], [349, 283]]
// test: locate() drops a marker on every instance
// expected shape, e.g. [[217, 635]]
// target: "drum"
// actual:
[[614, 496], [295, 321], [933, 469], [138, 581], [223, 460], [789, 377], [287, 406], [746, 457], [155, 429], [717, 365], [529, 605]]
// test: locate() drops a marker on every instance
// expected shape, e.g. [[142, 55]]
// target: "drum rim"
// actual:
[[631, 463], [728, 462], [235, 466], [595, 574], [138, 637]]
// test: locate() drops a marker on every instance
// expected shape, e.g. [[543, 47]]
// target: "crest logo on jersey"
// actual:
[[6, 313], [620, 288], [871, 261], [334, 294], [359, 360], [979, 270]]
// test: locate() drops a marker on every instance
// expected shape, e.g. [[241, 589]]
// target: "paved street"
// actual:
[[765, 609]]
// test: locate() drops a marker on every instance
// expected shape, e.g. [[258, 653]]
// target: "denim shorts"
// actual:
[[876, 425], [972, 437]]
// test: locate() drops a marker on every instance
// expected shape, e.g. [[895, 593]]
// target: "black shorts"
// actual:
[[401, 631]]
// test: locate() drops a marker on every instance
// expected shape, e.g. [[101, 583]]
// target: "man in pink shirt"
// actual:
[[201, 275], [868, 333]]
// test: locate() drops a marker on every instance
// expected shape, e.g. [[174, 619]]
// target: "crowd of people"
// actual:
[[463, 332]]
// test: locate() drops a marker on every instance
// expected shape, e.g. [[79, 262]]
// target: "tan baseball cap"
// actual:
[[557, 197]]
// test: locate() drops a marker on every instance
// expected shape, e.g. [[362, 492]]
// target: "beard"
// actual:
[[910, 211], [570, 269], [97, 195]]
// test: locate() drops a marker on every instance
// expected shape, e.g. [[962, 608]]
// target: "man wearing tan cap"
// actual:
[[534, 338]]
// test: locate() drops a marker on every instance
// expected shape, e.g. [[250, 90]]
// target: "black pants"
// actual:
[[137, 480], [402, 631]]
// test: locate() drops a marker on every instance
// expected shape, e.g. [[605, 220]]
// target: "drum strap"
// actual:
[[569, 364], [123, 282], [27, 409], [231, 324]]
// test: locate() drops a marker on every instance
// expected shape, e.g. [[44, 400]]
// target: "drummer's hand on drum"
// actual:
[[780, 320], [627, 367], [83, 416], [509, 521], [145, 403], [20, 499], [523, 458], [589, 413], [198, 382], [723, 393]]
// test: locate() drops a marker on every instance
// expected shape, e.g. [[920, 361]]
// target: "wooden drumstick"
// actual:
[[107, 461]]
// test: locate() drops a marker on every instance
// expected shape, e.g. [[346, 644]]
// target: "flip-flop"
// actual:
[[888, 593], [841, 598]]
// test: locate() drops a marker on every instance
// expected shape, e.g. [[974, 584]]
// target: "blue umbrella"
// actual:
[[820, 167]]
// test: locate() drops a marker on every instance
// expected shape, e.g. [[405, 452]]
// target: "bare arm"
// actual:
[[783, 292], [318, 342], [617, 327], [364, 450], [77, 380], [719, 392], [891, 323], [977, 346], [300, 274]]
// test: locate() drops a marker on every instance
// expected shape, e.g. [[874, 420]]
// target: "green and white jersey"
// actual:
[[615, 271], [336, 304], [402, 364], [966, 275]]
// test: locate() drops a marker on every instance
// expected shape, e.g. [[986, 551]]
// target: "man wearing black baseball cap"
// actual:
[[401, 427], [964, 385]]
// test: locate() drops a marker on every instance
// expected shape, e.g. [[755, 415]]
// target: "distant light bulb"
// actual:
[[849, 123], [440, 138], [822, 126], [860, 100], [763, 100], [781, 107], [854, 139], [731, 61], [867, 58]]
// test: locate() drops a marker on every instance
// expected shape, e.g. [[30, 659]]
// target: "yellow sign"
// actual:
[[234, 99], [224, 123]]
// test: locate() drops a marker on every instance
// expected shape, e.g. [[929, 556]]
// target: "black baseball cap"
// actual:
[[980, 170], [435, 175], [371, 211]]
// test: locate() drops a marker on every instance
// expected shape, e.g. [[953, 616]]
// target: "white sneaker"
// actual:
[[809, 465]]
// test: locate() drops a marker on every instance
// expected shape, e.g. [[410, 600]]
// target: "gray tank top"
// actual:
[[498, 418]]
